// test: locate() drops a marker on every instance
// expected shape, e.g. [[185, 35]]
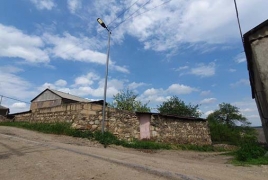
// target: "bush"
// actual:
[[106, 138], [145, 144], [249, 149], [205, 148]]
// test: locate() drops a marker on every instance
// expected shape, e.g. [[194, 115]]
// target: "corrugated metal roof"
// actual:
[[63, 95], [69, 96]]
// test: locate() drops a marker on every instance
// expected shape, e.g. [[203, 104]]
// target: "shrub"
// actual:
[[249, 149], [205, 148], [106, 138], [145, 144]]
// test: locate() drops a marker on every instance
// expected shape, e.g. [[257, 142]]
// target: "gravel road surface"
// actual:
[[28, 155]]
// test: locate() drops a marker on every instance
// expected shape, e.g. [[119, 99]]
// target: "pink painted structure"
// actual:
[[145, 125]]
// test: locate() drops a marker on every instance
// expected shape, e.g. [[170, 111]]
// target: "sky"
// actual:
[[159, 48]]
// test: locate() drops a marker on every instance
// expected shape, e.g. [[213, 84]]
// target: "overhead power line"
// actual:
[[238, 21], [12, 99], [123, 12], [132, 15], [68, 49], [129, 17]]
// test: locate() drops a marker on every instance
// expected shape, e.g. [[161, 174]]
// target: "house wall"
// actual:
[[179, 131], [4, 112], [44, 104], [46, 99], [259, 47], [124, 124]]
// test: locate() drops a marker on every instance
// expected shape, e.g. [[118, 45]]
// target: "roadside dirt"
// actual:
[[28, 155]]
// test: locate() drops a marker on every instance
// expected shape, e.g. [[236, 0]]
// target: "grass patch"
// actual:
[[50, 128], [258, 161], [107, 138], [138, 144], [205, 148]]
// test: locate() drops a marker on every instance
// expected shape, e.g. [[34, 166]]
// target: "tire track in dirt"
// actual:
[[138, 167]]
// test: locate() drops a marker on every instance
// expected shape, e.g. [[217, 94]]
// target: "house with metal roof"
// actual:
[[256, 49], [52, 98], [4, 111]]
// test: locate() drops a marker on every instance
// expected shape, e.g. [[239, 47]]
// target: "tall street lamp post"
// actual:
[[106, 75]]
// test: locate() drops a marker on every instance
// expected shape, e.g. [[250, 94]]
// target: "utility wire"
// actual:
[[238, 21], [14, 99], [131, 16], [123, 12], [109, 24]]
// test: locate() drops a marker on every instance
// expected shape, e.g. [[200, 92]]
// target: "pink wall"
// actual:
[[145, 126]]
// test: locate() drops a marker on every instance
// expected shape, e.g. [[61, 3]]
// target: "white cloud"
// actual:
[[19, 105], [241, 82], [47, 85], [182, 68], [205, 93], [113, 87], [159, 95], [86, 80], [208, 101], [15, 107], [177, 22], [81, 49], [44, 4], [73, 5], [69, 47], [13, 85], [180, 89], [208, 112], [119, 68], [15, 44], [240, 58], [135, 85], [89, 86], [203, 70], [61, 83], [249, 109]]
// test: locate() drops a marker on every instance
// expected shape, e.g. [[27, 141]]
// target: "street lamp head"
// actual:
[[101, 23]]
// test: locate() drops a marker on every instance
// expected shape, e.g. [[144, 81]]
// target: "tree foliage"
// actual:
[[127, 100], [223, 125], [229, 115], [175, 106]]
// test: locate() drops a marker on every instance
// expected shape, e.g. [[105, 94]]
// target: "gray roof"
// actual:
[[68, 96], [2, 107], [63, 95]]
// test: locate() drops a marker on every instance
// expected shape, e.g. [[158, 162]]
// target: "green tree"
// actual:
[[175, 106], [127, 100], [223, 125], [229, 115]]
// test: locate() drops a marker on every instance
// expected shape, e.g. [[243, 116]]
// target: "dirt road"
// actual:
[[28, 155]]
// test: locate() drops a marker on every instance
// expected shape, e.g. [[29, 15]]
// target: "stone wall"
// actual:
[[3, 119], [179, 130], [124, 124], [86, 116]]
